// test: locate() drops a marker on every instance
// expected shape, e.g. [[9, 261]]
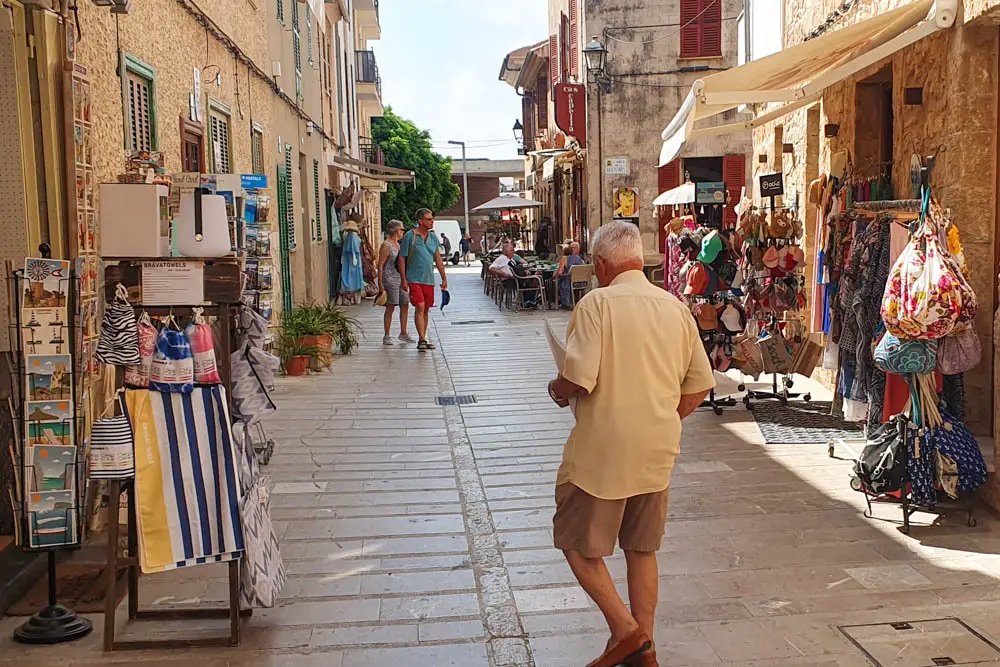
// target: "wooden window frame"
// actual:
[[222, 109], [289, 212], [280, 15], [701, 23], [257, 156], [131, 64], [318, 222], [191, 128]]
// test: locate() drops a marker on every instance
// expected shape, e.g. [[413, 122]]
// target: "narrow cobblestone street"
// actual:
[[420, 536]]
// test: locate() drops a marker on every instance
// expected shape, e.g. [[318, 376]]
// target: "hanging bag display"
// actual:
[[112, 449], [173, 363], [203, 225], [960, 352], [904, 356], [199, 335], [776, 353], [262, 572], [923, 297], [253, 372], [138, 375], [882, 464], [119, 342]]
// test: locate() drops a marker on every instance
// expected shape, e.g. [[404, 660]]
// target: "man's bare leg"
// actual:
[[643, 588], [595, 579], [420, 320]]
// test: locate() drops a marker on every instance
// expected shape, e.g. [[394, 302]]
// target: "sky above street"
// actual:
[[440, 65]]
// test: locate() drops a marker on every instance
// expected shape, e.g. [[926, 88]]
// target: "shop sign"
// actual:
[[571, 111], [710, 193], [626, 204], [772, 185], [616, 166], [253, 181], [548, 169]]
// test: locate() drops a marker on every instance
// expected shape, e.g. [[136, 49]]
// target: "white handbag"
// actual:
[[202, 225]]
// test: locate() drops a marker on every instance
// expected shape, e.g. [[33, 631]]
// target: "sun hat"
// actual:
[[733, 319], [707, 316], [711, 246], [697, 279], [780, 225], [770, 257]]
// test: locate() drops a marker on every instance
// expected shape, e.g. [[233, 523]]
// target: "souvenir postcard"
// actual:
[[56, 433], [49, 377], [51, 468], [52, 518], [48, 411], [43, 331], [46, 283]]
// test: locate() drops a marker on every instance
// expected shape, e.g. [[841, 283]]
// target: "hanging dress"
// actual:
[[352, 279]]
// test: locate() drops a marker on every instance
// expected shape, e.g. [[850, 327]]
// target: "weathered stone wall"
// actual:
[[957, 70], [163, 35], [647, 92]]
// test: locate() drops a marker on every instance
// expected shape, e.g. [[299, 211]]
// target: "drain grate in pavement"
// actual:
[[466, 322], [928, 643], [462, 399]]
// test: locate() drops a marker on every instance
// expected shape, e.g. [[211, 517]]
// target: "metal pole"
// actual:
[[465, 183]]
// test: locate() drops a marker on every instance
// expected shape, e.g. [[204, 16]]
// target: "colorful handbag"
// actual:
[[119, 342], [959, 352], [905, 356], [923, 296], [112, 448]]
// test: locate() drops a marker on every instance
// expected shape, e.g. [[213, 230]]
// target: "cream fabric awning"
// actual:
[[376, 172], [797, 76]]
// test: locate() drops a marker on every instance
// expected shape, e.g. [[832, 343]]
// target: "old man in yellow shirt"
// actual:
[[636, 366]]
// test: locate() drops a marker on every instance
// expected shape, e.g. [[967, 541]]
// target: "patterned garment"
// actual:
[[674, 261], [953, 441], [953, 395]]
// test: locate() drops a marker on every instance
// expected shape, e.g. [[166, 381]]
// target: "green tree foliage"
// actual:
[[408, 147]]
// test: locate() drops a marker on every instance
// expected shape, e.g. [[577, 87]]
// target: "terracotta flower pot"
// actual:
[[325, 346], [297, 366]]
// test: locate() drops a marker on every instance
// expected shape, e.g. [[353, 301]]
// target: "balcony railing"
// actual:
[[370, 152], [367, 69]]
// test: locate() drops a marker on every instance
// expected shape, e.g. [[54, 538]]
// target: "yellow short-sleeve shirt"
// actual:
[[636, 349]]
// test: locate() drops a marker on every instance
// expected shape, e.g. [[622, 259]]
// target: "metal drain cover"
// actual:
[[929, 643], [463, 399], [466, 322]]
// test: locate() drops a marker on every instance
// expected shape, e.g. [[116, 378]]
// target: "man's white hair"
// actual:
[[618, 243]]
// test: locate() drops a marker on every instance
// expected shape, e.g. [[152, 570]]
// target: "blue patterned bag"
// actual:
[[953, 462], [904, 356]]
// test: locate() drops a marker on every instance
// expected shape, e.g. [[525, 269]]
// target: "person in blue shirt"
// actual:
[[420, 253]]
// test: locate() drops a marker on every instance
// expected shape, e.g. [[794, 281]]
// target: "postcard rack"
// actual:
[[47, 452], [222, 297]]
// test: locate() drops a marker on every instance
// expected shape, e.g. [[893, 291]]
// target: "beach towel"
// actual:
[[187, 490]]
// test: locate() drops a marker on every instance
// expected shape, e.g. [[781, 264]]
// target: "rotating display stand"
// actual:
[[47, 449]]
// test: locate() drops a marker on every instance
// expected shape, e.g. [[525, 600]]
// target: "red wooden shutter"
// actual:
[[711, 28], [668, 177], [553, 60], [542, 96], [574, 38], [564, 47], [734, 174], [691, 28]]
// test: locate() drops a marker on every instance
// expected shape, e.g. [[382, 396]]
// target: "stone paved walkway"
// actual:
[[420, 536]]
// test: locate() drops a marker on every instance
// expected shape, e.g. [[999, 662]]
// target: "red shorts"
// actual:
[[422, 295]]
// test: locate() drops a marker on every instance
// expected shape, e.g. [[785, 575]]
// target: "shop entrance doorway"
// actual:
[[706, 170], [873, 128]]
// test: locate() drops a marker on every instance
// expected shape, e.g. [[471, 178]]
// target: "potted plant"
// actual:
[[295, 355], [344, 330]]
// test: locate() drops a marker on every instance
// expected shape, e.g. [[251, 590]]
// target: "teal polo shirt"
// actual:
[[419, 256]]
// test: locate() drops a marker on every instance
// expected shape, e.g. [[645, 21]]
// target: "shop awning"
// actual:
[[376, 172], [797, 76], [508, 202]]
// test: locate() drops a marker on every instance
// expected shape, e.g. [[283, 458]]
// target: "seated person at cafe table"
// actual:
[[507, 267], [567, 262]]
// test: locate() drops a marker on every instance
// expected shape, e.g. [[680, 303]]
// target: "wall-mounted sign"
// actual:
[[548, 169], [626, 204], [616, 166], [571, 111], [772, 185], [710, 193]]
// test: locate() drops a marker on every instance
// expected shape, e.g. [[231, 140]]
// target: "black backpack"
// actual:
[[882, 464]]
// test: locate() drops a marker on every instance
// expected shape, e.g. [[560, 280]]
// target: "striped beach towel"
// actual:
[[187, 490]]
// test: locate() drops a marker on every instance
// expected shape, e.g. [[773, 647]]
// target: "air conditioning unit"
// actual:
[[276, 69]]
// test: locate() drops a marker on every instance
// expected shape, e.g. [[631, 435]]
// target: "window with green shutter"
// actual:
[[281, 10], [309, 36], [289, 200], [138, 90], [297, 49], [220, 137], [257, 148], [317, 222]]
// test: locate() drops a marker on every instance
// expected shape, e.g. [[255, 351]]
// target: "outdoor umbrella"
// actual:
[[682, 194], [508, 202]]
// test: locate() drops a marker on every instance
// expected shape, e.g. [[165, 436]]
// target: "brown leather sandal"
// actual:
[[620, 653]]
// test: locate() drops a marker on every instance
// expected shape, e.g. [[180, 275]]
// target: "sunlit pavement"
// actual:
[[419, 535]]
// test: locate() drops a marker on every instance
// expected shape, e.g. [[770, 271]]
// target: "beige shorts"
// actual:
[[592, 526]]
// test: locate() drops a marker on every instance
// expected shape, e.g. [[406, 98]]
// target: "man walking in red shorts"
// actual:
[[419, 253]]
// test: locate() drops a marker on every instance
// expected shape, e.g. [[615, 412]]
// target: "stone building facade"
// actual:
[[956, 69]]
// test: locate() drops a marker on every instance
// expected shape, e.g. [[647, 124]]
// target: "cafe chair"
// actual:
[[581, 278]]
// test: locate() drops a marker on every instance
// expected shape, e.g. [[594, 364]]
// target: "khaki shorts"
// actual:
[[592, 526]]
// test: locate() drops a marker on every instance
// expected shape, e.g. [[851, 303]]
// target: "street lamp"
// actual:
[[519, 136], [465, 182], [597, 60]]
